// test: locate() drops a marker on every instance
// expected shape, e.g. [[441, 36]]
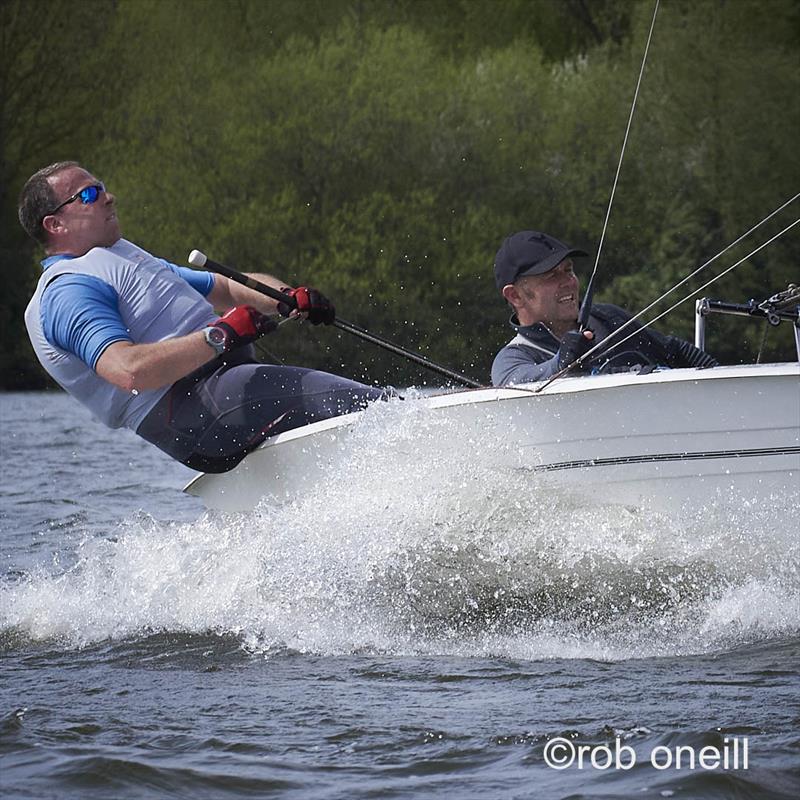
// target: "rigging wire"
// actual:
[[603, 344], [711, 260], [614, 334], [704, 286], [586, 306], [587, 300]]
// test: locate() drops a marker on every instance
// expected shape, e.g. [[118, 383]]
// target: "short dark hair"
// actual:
[[37, 199]]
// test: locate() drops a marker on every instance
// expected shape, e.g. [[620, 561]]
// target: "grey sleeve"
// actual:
[[518, 364]]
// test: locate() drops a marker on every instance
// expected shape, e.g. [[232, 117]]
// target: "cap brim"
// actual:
[[551, 262]]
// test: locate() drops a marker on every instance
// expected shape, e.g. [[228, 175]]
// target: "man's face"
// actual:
[[77, 228], [551, 298]]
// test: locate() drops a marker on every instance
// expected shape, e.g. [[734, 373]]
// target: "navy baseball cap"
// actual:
[[529, 253]]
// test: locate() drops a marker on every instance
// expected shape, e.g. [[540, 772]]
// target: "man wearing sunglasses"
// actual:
[[137, 339]]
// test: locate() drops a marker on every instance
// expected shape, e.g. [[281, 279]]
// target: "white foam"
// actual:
[[457, 555]]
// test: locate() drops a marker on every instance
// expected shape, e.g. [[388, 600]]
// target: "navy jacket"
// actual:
[[532, 355]]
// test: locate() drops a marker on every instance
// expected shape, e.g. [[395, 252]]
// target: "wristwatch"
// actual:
[[217, 339]]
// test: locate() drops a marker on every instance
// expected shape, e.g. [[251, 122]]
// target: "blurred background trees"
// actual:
[[382, 149]]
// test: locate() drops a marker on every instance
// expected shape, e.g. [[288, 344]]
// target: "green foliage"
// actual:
[[47, 54], [382, 150]]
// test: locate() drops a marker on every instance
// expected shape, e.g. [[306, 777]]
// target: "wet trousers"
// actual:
[[212, 418]]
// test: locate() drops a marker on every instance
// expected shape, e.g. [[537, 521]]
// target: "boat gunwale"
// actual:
[[565, 386]]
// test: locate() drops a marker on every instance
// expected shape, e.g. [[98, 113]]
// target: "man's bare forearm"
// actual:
[[141, 367]]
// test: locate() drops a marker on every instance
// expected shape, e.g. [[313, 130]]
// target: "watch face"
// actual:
[[216, 338]]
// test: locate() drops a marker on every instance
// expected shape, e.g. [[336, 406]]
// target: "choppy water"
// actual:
[[422, 632]]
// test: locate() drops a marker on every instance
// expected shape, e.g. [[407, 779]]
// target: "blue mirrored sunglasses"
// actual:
[[87, 196]]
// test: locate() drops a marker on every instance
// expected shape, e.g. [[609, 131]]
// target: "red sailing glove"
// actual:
[[311, 302], [240, 326]]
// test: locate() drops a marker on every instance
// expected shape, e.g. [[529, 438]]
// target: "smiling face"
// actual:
[[551, 298], [77, 227]]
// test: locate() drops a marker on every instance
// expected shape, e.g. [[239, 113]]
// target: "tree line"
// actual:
[[380, 150]]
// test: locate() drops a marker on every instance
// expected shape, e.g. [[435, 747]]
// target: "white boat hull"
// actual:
[[662, 440]]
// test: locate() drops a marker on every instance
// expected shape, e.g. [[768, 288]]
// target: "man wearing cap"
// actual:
[[535, 274]]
